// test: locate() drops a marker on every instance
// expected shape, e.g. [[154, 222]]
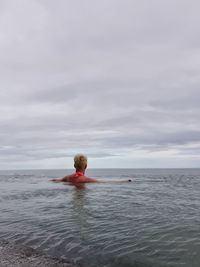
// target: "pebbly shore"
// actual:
[[14, 255]]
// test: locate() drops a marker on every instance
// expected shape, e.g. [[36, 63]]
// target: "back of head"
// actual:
[[80, 162]]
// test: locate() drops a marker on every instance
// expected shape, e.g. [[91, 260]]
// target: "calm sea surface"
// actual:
[[153, 221]]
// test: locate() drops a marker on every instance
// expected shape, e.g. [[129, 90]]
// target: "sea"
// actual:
[[153, 221]]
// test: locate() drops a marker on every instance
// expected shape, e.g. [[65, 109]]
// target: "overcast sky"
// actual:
[[116, 80]]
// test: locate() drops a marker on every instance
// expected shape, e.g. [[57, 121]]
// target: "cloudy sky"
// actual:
[[118, 80]]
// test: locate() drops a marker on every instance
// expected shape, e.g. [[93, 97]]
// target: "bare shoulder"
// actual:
[[67, 178], [85, 179]]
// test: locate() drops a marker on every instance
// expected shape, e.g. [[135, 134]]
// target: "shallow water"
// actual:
[[153, 221]]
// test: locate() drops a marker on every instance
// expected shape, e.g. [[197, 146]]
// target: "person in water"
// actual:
[[80, 164]]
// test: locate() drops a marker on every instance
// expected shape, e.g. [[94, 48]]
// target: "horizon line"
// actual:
[[111, 168]]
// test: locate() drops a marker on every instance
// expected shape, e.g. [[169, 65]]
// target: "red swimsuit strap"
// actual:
[[78, 173]]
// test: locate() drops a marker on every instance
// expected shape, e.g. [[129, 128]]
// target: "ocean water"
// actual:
[[153, 221]]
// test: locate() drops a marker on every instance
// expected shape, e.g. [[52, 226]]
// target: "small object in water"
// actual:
[[129, 180]]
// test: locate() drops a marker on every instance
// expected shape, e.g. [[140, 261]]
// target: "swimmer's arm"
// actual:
[[63, 179], [114, 181]]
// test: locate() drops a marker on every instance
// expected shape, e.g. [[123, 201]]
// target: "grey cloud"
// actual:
[[154, 140], [191, 151]]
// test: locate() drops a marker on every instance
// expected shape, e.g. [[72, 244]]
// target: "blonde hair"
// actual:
[[80, 162]]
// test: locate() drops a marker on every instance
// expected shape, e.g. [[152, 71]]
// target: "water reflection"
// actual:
[[76, 185], [79, 206]]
